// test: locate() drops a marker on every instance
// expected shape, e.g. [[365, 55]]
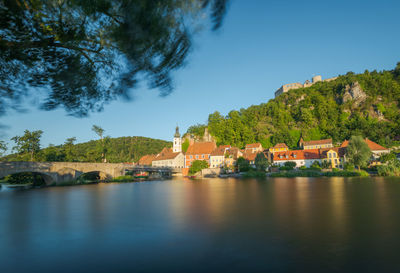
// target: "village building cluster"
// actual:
[[225, 156]]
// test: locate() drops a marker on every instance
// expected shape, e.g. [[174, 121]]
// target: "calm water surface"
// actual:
[[228, 225]]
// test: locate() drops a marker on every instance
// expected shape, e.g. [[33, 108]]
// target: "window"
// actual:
[[197, 157], [191, 157], [295, 156]]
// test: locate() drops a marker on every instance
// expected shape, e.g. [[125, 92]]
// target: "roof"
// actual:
[[341, 151], [317, 142], [297, 155], [280, 145], [166, 154], [234, 152], [249, 155], [220, 151], [201, 148], [253, 145], [289, 155], [372, 145], [146, 159]]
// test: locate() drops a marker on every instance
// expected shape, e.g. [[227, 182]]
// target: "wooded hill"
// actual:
[[121, 149], [364, 104]]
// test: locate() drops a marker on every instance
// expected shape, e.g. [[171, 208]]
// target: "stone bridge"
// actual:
[[58, 172]]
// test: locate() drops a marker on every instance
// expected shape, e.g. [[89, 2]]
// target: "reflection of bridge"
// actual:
[[58, 172]]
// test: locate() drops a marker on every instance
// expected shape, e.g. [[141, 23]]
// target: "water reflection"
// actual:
[[338, 224]]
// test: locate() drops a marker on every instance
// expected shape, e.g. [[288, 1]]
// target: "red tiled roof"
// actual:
[[235, 152], [317, 142], [372, 145], [198, 148], [146, 160], [253, 145], [280, 145], [312, 154], [165, 154], [249, 155], [289, 155], [218, 151]]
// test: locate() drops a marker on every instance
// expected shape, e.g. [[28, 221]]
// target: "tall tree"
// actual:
[[3, 147], [358, 152], [102, 146], [261, 162], [67, 47], [70, 154], [29, 143]]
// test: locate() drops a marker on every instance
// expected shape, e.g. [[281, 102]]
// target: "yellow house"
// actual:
[[334, 156], [279, 147]]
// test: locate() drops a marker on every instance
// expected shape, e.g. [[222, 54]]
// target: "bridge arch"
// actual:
[[48, 178], [101, 175]]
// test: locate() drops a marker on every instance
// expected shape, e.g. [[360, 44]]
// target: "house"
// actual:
[[334, 156], [146, 160], [315, 144], [250, 156], [231, 157], [199, 151], [167, 158], [300, 157], [254, 147], [376, 149], [296, 156], [279, 147], [217, 157]]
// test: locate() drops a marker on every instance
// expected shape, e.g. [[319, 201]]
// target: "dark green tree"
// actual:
[[261, 162], [357, 152], [29, 143], [67, 47], [243, 164], [197, 166]]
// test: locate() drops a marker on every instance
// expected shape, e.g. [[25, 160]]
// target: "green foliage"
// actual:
[[317, 112], [261, 162], [29, 143], [254, 174], [387, 157], [3, 147], [196, 130], [25, 178], [243, 164], [290, 165], [358, 152], [123, 178], [122, 149], [315, 165], [185, 145], [197, 166], [67, 47], [348, 167], [392, 168]]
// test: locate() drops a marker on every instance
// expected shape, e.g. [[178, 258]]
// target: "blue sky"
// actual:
[[262, 45]]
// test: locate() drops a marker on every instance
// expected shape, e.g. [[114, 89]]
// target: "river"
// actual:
[[209, 225]]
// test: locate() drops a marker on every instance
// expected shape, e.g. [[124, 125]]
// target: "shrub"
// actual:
[[243, 164], [123, 178], [197, 166], [290, 165], [392, 168]]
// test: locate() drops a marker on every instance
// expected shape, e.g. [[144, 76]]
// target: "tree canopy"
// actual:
[[317, 112], [82, 54], [29, 143], [358, 152]]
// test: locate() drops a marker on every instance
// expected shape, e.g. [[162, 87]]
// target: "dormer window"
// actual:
[[295, 156], [287, 156]]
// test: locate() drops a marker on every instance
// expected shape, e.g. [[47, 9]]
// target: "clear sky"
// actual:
[[262, 45]]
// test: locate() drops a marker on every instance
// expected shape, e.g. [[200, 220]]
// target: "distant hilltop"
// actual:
[[286, 87]]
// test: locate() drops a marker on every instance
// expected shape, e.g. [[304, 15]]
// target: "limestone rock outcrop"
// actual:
[[354, 93]]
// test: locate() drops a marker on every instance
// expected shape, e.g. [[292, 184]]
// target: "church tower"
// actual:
[[177, 147]]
